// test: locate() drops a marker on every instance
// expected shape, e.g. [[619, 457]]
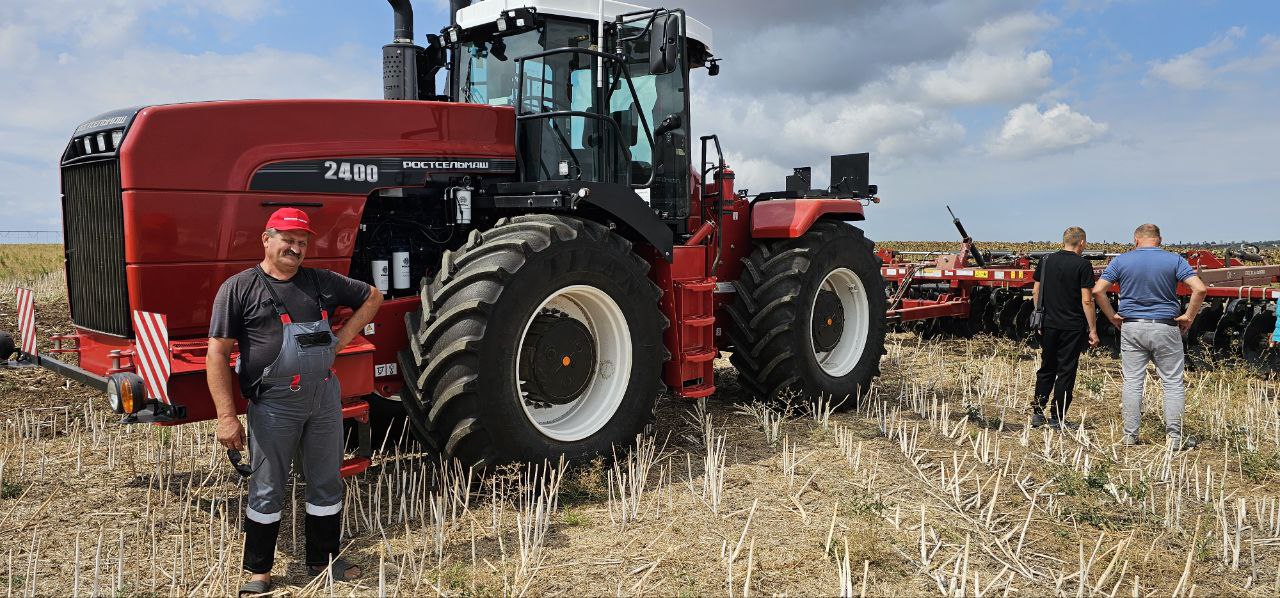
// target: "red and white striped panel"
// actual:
[[151, 352], [27, 321]]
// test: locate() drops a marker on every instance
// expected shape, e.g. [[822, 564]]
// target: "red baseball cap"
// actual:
[[290, 219]]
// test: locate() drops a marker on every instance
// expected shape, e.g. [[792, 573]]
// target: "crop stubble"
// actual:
[[933, 485]]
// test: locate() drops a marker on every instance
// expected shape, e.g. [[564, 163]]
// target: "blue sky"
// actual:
[[1025, 117]]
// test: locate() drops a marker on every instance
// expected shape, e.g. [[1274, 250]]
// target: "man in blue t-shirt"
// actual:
[[1151, 322]]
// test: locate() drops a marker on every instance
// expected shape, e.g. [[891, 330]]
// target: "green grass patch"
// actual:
[[10, 490], [25, 261], [1258, 466]]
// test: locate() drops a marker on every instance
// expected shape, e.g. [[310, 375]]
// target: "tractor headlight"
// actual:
[[116, 136], [126, 393]]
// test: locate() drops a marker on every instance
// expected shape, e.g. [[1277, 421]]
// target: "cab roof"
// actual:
[[488, 11]]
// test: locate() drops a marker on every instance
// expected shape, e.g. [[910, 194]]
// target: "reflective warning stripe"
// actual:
[[27, 320], [152, 351]]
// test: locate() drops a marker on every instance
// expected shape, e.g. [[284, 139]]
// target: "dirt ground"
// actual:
[[934, 484]]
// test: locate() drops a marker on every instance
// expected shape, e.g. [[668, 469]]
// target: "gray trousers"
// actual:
[[1143, 342], [280, 423]]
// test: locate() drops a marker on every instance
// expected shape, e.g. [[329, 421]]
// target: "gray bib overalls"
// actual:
[[297, 405]]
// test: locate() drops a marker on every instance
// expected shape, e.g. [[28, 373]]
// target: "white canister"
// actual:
[[381, 272], [400, 269]]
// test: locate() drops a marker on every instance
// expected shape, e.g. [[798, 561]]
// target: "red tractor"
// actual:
[[551, 256]]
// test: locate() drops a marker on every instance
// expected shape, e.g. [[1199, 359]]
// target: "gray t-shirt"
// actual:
[[243, 310]]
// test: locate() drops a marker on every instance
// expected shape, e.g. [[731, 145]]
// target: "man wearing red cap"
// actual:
[[278, 312]]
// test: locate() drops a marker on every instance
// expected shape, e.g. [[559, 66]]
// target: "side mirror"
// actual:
[[668, 124], [664, 44]]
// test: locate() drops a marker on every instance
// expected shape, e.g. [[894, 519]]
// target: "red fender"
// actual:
[[790, 218]]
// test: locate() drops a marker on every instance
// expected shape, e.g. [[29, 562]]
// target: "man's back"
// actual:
[[1062, 275], [1148, 279]]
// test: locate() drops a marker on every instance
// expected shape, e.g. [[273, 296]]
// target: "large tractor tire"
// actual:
[[7, 346], [808, 320], [540, 337]]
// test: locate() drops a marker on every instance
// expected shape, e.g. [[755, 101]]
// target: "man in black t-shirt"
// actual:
[[278, 312], [1063, 289]]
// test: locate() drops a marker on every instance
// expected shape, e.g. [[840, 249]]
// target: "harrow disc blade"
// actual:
[[1226, 336], [1022, 322], [1255, 342], [967, 327], [1008, 315], [1200, 335], [991, 313], [981, 299]]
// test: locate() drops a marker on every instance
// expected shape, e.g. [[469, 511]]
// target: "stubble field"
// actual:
[[934, 484]]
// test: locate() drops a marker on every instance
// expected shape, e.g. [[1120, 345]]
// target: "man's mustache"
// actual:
[[293, 253]]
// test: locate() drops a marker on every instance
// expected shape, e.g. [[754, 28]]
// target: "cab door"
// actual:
[[653, 46]]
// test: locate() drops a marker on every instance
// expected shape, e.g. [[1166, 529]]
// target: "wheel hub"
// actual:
[[557, 359], [828, 321]]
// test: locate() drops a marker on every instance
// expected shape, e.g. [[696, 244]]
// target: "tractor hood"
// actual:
[[281, 145]]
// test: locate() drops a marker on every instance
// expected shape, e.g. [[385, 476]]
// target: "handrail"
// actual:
[[626, 74], [720, 166]]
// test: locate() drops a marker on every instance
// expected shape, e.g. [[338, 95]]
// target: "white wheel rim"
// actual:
[[844, 356], [597, 404]]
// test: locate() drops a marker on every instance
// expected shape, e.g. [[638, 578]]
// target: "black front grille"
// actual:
[[93, 227]]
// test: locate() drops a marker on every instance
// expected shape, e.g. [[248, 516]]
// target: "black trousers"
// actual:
[[1059, 359], [323, 535]]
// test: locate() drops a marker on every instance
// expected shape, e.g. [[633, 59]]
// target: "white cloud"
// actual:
[[240, 10], [63, 62], [1029, 132], [977, 77], [1267, 58], [995, 67], [1193, 70], [1012, 33]]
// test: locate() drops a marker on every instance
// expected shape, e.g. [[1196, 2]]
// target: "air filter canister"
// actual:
[[381, 270], [400, 269]]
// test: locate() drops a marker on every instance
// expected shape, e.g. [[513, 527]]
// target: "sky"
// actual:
[[1024, 117]]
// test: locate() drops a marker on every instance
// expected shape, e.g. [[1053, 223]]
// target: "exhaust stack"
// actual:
[[403, 33], [409, 70], [400, 57]]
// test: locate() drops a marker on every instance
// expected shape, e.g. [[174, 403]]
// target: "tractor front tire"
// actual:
[[7, 347], [808, 318], [539, 338]]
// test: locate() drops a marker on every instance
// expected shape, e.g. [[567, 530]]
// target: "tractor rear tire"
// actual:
[[808, 319], [539, 338]]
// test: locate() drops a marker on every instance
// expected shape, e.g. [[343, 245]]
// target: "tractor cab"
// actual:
[[600, 92]]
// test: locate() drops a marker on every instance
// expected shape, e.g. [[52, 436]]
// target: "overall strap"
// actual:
[[315, 284], [281, 311]]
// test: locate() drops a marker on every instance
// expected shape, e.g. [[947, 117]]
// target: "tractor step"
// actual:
[[691, 371], [357, 409]]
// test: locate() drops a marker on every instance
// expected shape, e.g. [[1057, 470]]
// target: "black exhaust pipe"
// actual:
[[403, 33], [400, 80]]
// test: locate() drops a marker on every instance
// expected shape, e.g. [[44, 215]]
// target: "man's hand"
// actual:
[[1093, 338], [1184, 321], [231, 433], [1116, 320], [339, 342]]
